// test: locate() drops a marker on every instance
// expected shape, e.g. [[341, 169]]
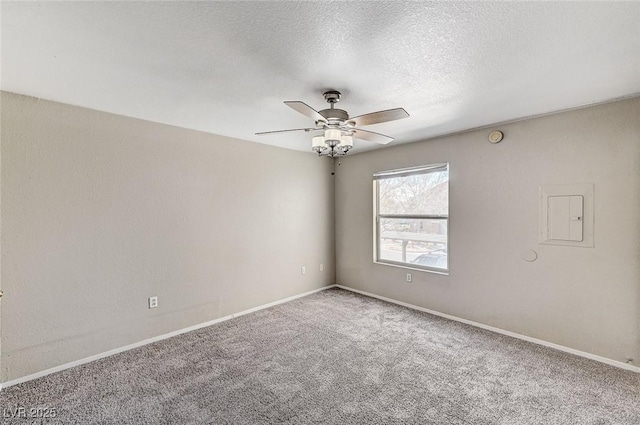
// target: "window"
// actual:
[[412, 217]]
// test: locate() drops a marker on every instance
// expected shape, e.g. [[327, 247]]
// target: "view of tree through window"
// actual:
[[412, 218]]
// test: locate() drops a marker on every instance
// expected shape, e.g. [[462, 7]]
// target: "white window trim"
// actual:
[[403, 172]]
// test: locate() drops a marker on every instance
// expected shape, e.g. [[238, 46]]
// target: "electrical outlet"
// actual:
[[303, 270], [153, 302], [409, 278], [321, 267]]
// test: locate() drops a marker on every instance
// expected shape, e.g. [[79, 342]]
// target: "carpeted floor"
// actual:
[[338, 358]]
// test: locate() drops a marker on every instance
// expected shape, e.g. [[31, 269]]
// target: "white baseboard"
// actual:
[[608, 361], [282, 301], [154, 339]]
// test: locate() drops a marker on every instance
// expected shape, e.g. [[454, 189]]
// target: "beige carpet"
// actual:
[[338, 358]]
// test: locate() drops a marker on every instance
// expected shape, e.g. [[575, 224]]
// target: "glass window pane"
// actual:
[[426, 194], [416, 242]]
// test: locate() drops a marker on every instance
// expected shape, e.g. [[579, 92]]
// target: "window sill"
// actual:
[[408, 267]]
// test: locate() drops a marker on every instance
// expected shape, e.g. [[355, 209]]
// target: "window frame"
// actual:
[[405, 172]]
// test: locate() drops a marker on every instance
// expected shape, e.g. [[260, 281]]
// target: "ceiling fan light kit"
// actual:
[[332, 144], [338, 129]]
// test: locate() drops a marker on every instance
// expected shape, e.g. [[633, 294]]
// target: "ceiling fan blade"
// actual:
[[371, 136], [380, 116], [262, 133], [305, 110]]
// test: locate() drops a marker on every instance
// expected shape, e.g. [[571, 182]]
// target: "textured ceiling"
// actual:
[[226, 67]]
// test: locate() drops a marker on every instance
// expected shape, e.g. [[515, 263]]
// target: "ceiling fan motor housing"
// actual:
[[334, 114]]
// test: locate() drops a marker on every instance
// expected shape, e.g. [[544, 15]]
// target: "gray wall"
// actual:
[[101, 211], [584, 298]]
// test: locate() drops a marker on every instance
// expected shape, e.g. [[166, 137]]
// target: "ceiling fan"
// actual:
[[338, 128]]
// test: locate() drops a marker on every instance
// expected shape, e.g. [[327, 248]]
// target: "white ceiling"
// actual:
[[226, 67]]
